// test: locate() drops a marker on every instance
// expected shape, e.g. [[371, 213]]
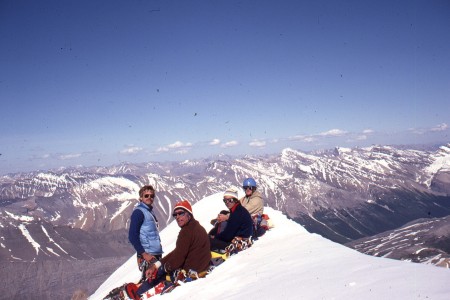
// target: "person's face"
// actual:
[[229, 202], [221, 218], [148, 197], [181, 216], [248, 190]]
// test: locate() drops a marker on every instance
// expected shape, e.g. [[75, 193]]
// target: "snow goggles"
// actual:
[[228, 200], [180, 213], [247, 187], [149, 196]]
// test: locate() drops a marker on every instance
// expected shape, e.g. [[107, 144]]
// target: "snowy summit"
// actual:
[[290, 263]]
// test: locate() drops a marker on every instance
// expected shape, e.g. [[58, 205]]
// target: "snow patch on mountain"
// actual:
[[27, 235], [122, 208], [21, 218], [52, 240], [440, 163]]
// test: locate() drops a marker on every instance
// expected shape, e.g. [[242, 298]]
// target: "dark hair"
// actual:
[[224, 212], [145, 188]]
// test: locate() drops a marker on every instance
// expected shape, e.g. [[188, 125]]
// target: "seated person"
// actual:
[[252, 200], [254, 203], [219, 224], [191, 253], [239, 225]]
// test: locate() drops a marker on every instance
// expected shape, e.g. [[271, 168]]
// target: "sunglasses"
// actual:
[[149, 196], [180, 213], [247, 187], [228, 200]]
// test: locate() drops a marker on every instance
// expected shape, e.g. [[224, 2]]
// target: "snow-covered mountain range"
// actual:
[[423, 241], [342, 194], [290, 263]]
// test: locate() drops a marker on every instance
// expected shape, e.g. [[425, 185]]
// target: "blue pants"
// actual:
[[149, 283]]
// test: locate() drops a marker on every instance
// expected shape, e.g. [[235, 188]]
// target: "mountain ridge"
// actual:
[[343, 194]]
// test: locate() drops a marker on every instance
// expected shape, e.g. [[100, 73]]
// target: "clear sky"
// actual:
[[103, 82]]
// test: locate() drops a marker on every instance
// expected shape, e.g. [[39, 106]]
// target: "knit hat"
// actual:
[[231, 192], [224, 212], [184, 204]]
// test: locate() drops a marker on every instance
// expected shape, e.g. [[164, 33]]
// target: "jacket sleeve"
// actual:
[[137, 218], [213, 230], [176, 258], [232, 228]]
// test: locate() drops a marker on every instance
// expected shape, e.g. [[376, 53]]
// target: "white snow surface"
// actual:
[[441, 161], [288, 262]]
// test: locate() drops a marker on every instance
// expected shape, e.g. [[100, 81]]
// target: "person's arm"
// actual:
[[176, 258], [213, 231], [255, 206], [230, 230], [137, 218]]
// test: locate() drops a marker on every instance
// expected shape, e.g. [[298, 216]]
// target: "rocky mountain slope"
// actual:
[[421, 241]]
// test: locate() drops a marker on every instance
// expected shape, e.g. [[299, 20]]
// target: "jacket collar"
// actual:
[[149, 208], [234, 206]]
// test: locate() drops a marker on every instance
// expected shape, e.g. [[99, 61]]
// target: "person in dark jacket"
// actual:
[[220, 223], [191, 252], [240, 223], [143, 233]]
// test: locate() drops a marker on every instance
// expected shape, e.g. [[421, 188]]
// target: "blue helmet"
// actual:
[[249, 182]]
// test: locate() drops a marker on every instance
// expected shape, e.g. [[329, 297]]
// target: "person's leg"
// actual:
[[145, 286], [217, 244], [150, 283]]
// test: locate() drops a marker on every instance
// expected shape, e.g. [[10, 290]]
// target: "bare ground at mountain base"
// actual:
[[55, 279]]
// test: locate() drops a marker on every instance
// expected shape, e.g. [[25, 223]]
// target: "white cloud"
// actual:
[[182, 151], [440, 127], [175, 145], [333, 132], [162, 149], [131, 150], [214, 142], [69, 156], [368, 131], [274, 141], [297, 138], [437, 128], [316, 137], [309, 139], [178, 147], [229, 144], [257, 143], [303, 138]]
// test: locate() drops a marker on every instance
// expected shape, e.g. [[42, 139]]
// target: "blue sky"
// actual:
[[104, 82]]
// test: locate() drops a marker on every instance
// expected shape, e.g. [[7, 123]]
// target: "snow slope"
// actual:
[[291, 263]]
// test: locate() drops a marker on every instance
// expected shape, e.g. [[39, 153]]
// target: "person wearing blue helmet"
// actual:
[[254, 203], [252, 200]]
